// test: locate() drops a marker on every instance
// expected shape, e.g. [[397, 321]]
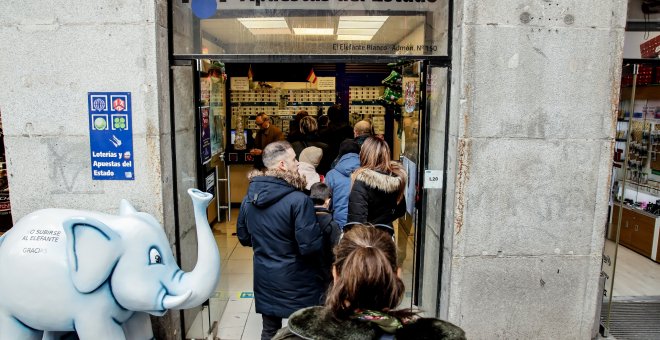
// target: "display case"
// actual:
[[279, 100], [365, 102]]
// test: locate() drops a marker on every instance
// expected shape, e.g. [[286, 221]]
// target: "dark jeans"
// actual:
[[271, 324]]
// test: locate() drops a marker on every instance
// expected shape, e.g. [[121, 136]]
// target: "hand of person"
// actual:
[[255, 152]]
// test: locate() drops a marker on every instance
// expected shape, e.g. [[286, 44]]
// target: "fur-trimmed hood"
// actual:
[[318, 323], [377, 180], [269, 186]]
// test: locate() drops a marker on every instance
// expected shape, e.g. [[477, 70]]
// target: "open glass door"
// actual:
[[431, 182], [420, 145]]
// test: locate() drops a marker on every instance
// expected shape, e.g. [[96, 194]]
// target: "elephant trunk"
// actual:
[[203, 279]]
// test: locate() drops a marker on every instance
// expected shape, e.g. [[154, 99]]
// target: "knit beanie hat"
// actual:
[[311, 155], [348, 146]]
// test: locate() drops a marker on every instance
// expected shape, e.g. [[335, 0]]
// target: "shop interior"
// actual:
[[231, 95], [631, 261]]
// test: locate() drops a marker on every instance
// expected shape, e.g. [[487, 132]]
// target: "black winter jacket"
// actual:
[[373, 198], [278, 220], [319, 324], [331, 234]]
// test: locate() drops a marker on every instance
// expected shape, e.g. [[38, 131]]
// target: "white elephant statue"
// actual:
[[99, 275]]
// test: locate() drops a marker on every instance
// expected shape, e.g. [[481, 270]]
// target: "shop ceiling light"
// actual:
[[355, 37], [359, 27], [360, 24], [313, 31], [357, 31], [270, 31], [364, 18], [266, 25]]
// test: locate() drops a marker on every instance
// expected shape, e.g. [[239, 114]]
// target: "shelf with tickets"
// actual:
[[309, 103], [242, 104], [367, 102]]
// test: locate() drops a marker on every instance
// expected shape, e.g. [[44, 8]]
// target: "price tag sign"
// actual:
[[433, 179]]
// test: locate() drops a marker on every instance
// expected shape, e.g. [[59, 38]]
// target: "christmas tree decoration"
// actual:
[[391, 95], [393, 78]]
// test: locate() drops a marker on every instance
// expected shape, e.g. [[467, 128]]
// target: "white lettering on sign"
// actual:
[[433, 179]]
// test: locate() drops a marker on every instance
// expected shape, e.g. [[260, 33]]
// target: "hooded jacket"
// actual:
[[279, 222], [309, 172], [339, 179], [319, 324], [373, 198]]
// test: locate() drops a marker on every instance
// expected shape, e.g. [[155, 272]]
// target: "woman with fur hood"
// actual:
[[377, 194], [361, 302]]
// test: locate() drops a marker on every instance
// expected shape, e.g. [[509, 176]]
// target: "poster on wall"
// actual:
[[239, 84], [216, 128], [205, 136], [111, 135], [217, 115], [325, 83], [205, 90]]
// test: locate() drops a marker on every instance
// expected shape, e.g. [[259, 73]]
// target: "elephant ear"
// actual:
[[93, 250]]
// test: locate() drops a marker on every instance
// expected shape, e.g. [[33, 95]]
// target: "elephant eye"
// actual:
[[155, 257]]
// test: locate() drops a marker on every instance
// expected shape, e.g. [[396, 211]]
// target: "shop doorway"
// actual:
[[404, 99]]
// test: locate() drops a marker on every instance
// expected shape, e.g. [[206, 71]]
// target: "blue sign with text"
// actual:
[[111, 135]]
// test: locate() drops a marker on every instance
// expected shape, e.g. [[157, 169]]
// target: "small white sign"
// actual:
[[240, 84], [433, 179], [325, 83]]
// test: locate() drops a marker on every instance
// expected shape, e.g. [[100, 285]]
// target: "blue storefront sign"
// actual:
[[111, 135]]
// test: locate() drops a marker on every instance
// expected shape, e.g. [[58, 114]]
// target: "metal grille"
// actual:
[[634, 319]]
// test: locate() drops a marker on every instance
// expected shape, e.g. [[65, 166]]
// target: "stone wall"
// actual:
[[534, 91], [53, 54]]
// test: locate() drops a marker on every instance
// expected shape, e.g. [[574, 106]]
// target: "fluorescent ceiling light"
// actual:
[[357, 31], [313, 31], [364, 18], [255, 23], [270, 31], [360, 24], [355, 37]]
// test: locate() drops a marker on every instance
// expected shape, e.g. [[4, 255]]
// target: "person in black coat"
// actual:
[[321, 194], [377, 194], [278, 221], [309, 137]]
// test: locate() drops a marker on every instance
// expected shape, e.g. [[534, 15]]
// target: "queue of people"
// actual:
[[294, 216]]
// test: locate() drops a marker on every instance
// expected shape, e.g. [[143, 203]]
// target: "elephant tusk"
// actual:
[[173, 301]]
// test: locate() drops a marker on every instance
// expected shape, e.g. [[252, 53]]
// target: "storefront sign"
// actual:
[[348, 27], [111, 135], [240, 84], [325, 83]]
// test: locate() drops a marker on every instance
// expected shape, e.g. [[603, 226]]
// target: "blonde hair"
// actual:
[[308, 125], [375, 155]]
